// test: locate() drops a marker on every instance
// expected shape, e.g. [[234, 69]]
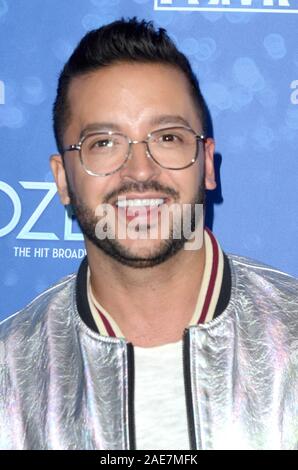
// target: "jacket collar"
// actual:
[[219, 279]]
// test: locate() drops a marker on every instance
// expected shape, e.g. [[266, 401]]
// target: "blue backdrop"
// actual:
[[247, 64]]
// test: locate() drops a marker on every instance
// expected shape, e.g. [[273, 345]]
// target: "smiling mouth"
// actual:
[[142, 208], [141, 202]]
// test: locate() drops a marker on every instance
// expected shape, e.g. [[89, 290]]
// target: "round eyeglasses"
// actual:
[[103, 153]]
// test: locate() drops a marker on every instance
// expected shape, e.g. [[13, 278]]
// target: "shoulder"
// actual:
[[268, 287], [26, 321], [256, 270]]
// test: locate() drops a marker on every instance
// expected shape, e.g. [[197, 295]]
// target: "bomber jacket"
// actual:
[[64, 386]]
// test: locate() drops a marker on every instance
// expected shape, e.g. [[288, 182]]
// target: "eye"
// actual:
[[102, 143], [169, 138]]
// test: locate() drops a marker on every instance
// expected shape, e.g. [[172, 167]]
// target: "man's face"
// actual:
[[133, 99]]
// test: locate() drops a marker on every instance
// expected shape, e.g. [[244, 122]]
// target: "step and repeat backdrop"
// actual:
[[245, 54]]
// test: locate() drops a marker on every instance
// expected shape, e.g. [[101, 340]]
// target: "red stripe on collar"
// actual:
[[213, 275], [107, 324]]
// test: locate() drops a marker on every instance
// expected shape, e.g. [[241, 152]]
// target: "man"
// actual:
[[156, 343]]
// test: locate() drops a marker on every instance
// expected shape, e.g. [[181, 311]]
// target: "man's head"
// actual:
[[129, 78], [121, 41]]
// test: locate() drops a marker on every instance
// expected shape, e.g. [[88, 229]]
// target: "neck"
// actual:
[[152, 306]]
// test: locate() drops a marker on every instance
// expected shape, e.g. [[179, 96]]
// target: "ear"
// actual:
[[210, 182], [59, 174]]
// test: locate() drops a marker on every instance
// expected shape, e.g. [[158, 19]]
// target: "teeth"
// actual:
[[139, 202]]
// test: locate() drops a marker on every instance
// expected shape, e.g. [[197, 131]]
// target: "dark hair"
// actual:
[[121, 41]]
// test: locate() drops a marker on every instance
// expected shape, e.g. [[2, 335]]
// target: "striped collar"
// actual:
[[103, 320], [210, 298]]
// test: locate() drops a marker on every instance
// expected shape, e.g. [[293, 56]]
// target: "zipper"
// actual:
[[187, 388], [131, 394]]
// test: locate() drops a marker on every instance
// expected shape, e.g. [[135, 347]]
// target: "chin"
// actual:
[[140, 253]]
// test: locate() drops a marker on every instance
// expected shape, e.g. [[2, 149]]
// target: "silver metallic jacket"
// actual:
[[63, 386]]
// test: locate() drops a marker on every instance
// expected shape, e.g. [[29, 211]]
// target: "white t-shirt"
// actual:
[[160, 406]]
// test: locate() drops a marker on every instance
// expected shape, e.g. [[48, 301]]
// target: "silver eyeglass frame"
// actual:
[[78, 147]]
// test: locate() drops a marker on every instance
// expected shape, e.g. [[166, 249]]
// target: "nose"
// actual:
[[139, 166]]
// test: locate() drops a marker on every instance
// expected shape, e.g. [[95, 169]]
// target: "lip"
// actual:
[[148, 216], [151, 213]]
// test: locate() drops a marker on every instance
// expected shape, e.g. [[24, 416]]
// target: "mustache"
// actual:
[[141, 188]]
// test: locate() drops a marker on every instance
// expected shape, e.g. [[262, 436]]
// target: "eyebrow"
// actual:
[[155, 121], [169, 119]]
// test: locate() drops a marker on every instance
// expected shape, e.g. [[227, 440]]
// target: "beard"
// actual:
[[166, 248]]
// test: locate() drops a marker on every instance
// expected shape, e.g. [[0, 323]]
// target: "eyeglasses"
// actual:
[[105, 153]]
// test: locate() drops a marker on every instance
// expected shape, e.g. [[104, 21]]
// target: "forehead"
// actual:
[[130, 94]]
